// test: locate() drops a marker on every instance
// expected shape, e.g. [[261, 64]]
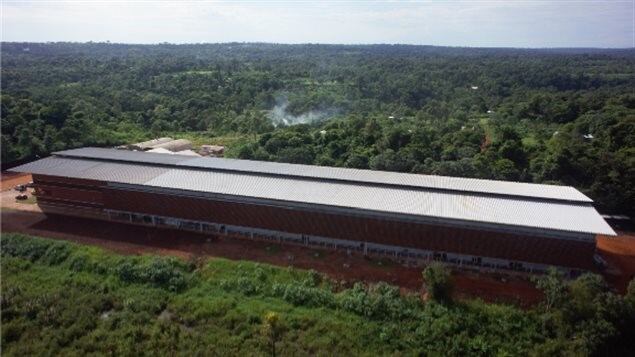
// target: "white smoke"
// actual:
[[279, 114]]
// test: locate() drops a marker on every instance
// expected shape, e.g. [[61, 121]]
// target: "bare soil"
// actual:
[[11, 179], [619, 252]]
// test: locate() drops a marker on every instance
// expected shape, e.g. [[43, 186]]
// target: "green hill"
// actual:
[[64, 299]]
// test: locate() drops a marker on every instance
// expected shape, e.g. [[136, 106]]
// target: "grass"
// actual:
[[65, 299]]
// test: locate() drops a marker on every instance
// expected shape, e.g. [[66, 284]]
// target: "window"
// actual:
[[192, 226], [210, 228], [120, 216]]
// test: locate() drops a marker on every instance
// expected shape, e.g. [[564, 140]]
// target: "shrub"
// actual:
[[313, 279], [56, 254], [381, 301], [127, 271], [630, 293], [438, 281], [164, 273], [553, 286], [15, 245], [243, 285], [159, 272], [356, 300], [271, 330], [9, 296], [301, 295]]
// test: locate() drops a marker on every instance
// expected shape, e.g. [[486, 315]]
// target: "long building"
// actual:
[[413, 218]]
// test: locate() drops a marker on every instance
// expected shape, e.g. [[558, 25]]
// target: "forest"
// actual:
[[59, 298], [557, 116]]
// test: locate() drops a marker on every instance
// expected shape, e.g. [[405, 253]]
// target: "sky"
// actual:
[[490, 23]]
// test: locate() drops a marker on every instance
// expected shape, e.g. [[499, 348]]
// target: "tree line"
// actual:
[[546, 116]]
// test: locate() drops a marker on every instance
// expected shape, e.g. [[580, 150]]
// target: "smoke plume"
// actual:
[[280, 116]]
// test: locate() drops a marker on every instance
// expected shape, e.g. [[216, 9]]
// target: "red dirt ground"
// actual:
[[128, 239], [619, 252], [11, 179]]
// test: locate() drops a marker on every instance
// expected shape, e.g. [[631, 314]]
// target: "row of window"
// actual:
[[374, 249]]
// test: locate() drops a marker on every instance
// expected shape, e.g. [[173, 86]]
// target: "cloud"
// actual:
[[460, 23]]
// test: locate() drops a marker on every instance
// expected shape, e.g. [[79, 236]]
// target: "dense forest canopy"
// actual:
[[563, 116]]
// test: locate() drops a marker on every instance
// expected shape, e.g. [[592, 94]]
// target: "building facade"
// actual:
[[411, 218]]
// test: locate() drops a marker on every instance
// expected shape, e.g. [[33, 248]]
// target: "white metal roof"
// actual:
[[394, 178], [543, 214], [94, 170], [344, 174], [466, 200]]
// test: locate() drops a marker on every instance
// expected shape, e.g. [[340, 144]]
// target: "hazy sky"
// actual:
[[511, 23]]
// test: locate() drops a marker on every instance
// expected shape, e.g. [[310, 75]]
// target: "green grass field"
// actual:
[[64, 299]]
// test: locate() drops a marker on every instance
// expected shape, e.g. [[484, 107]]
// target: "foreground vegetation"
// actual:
[[551, 116], [60, 298]]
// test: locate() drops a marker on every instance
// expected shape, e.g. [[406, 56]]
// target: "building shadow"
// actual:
[[77, 228]]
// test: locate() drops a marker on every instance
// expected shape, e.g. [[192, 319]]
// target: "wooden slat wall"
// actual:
[[438, 238], [89, 193]]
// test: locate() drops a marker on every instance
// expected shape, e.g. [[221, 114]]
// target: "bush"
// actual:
[[381, 301], [243, 285], [302, 295], [35, 249], [313, 279], [161, 272], [438, 281], [630, 293], [164, 273], [15, 245], [356, 300], [56, 254], [554, 288]]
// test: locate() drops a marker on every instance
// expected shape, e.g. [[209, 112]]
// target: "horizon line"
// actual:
[[313, 43]]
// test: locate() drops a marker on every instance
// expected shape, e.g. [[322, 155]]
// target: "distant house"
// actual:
[[187, 153], [212, 150], [146, 145], [175, 145], [166, 151], [160, 151]]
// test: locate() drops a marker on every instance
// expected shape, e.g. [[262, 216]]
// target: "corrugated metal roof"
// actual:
[[123, 155], [507, 188], [552, 215], [93, 170], [393, 178], [324, 187]]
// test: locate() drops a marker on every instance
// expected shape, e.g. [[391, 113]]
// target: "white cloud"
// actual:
[[462, 23]]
